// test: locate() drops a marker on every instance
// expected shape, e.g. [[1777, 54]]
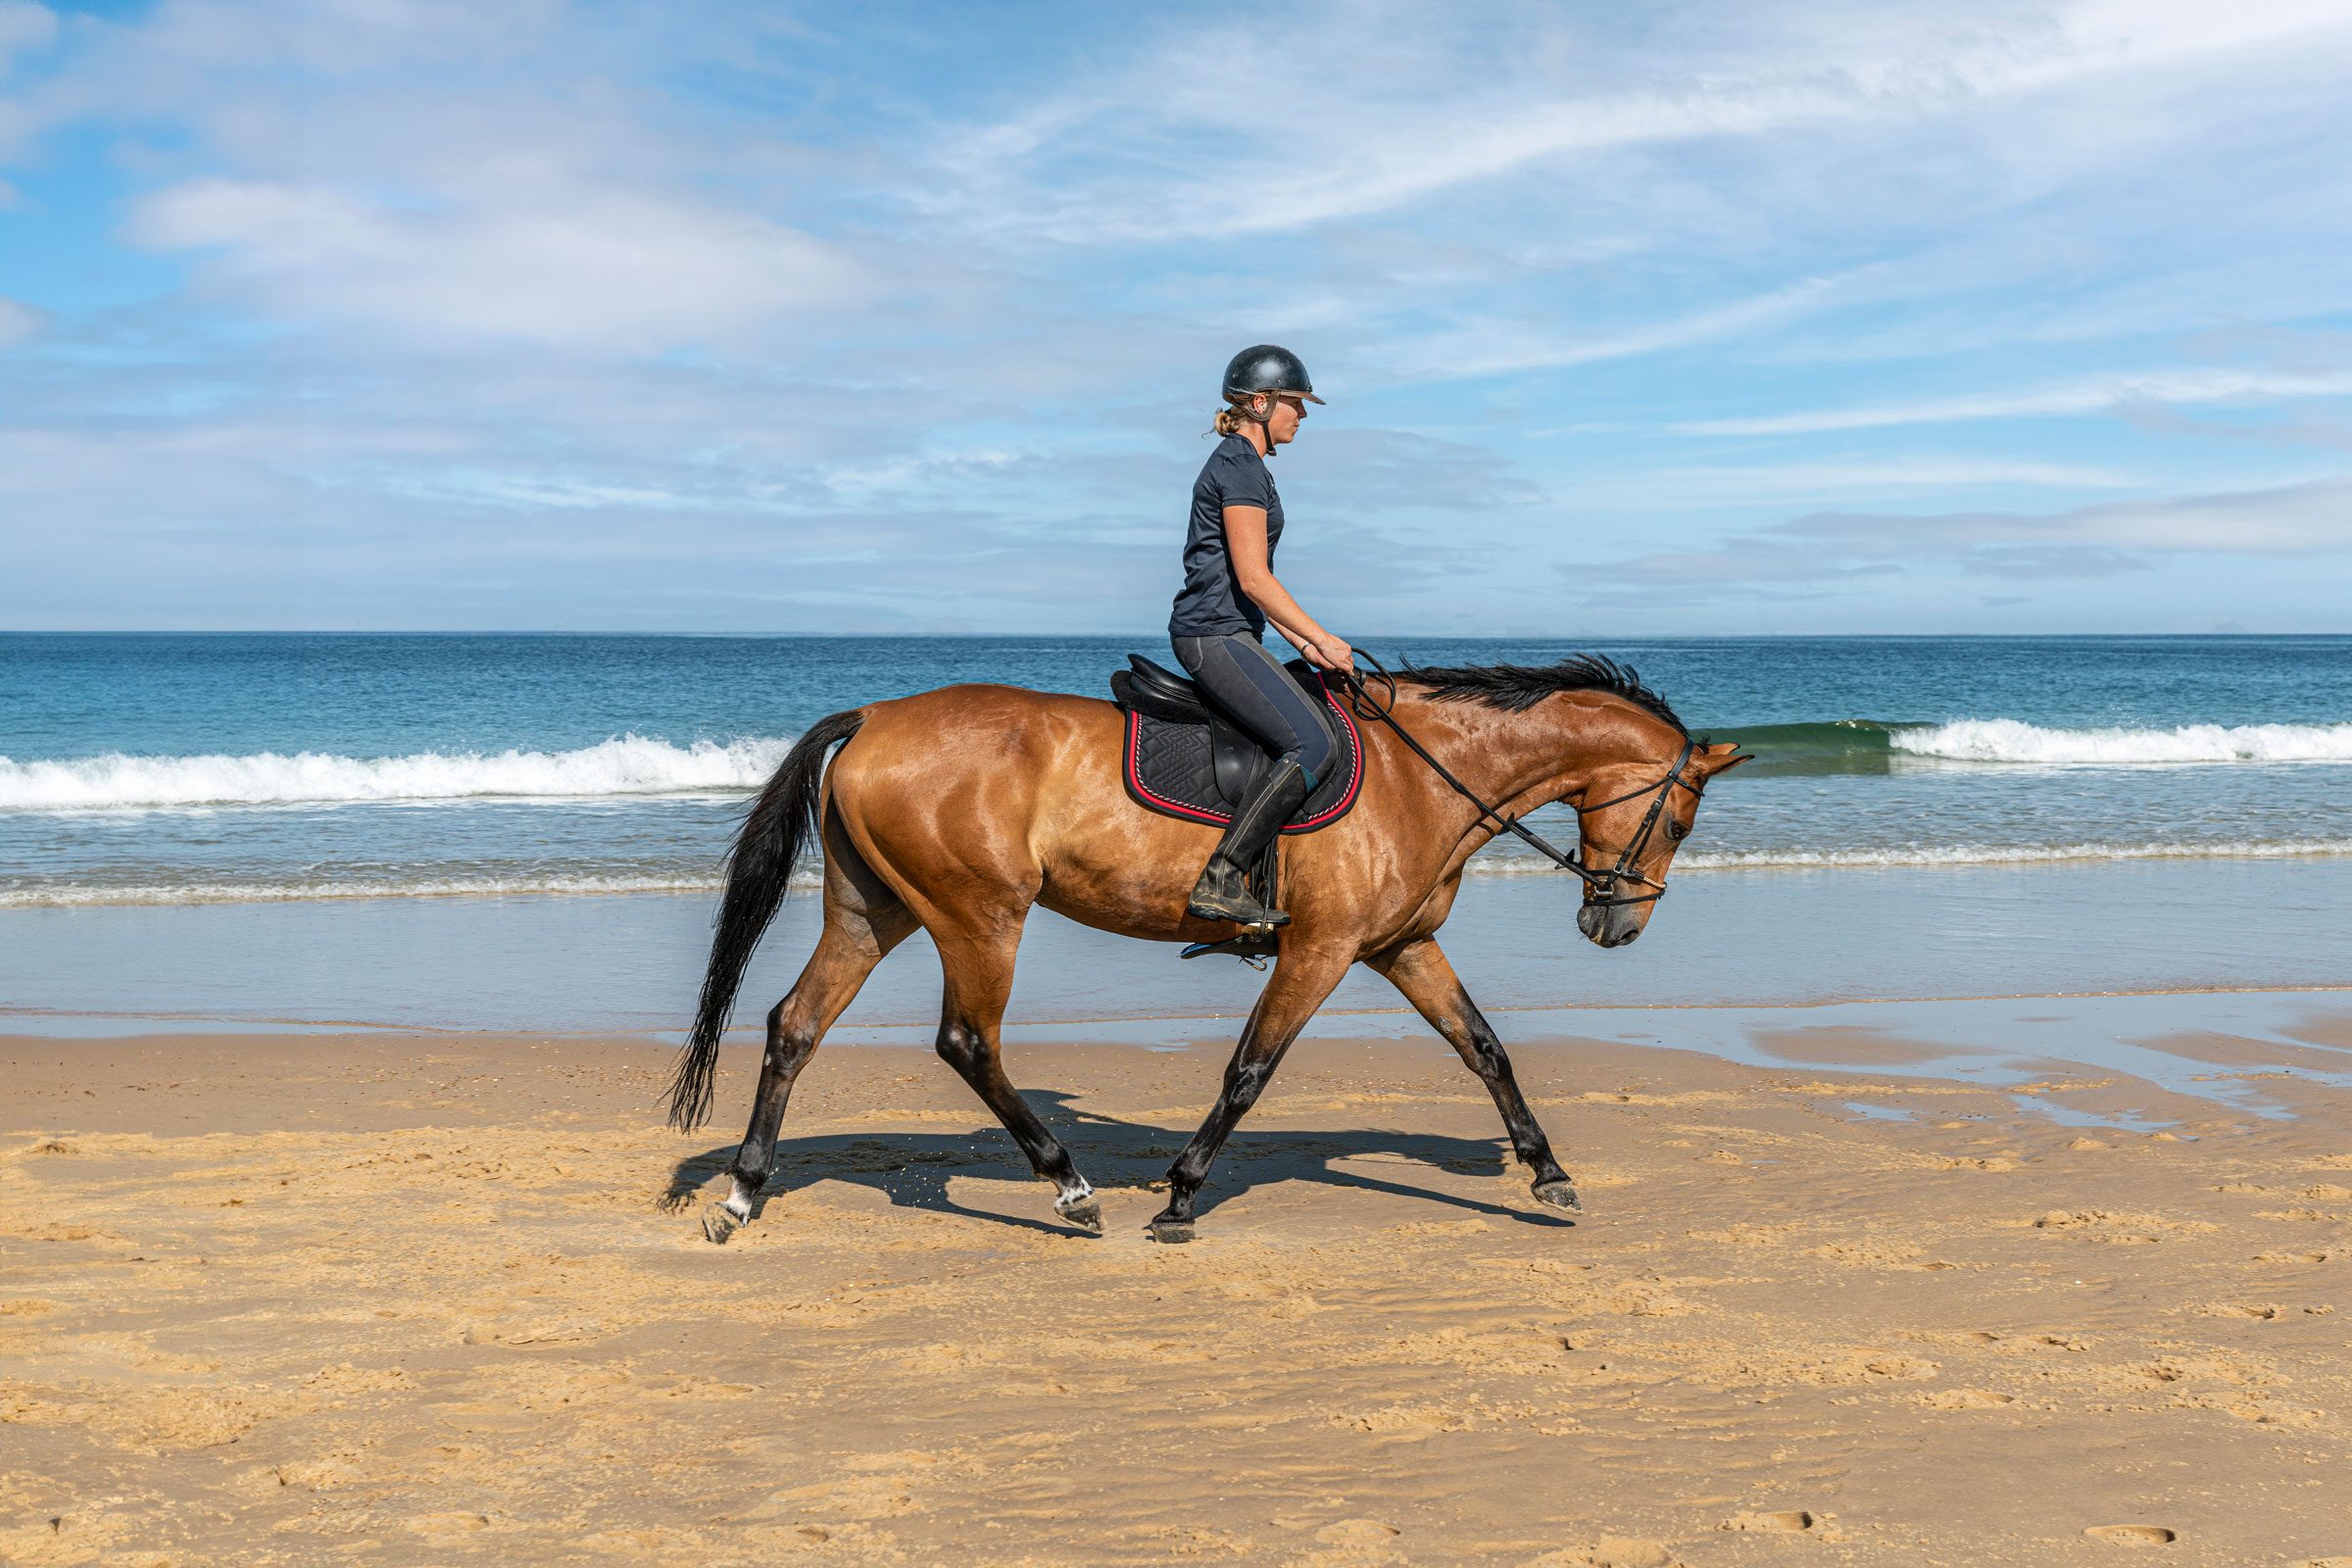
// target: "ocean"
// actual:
[[525, 832], [164, 769]]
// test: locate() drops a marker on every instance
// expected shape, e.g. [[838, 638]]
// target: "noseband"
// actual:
[[1604, 884], [1601, 886]]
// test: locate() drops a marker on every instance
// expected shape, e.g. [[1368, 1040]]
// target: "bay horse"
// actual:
[[957, 810]]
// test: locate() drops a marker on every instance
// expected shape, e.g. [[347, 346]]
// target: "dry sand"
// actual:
[[375, 1299]]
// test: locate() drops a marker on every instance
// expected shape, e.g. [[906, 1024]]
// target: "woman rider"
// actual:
[[1229, 594]]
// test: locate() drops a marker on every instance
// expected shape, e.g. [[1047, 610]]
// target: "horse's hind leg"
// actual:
[[861, 926], [978, 971], [1420, 971]]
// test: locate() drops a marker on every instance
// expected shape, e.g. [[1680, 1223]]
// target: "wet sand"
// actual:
[[633, 962], [418, 1300]]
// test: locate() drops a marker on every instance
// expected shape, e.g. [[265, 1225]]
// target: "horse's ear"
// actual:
[[1722, 759]]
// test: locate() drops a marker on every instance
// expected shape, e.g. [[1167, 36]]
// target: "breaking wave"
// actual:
[[625, 765], [1874, 745], [2008, 740], [636, 765]]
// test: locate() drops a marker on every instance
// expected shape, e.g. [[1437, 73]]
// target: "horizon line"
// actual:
[[1108, 636]]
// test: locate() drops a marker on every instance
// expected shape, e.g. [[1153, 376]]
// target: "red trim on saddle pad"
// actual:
[[1189, 813]]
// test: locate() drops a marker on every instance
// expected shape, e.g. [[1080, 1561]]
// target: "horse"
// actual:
[[959, 809]]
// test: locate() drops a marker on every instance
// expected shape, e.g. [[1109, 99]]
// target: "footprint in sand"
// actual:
[[2132, 1534], [2265, 1311], [1966, 1400], [1785, 1521], [1356, 1533]]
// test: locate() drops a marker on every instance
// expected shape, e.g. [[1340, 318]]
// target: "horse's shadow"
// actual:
[[912, 1169]]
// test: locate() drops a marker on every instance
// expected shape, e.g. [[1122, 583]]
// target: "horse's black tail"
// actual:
[[774, 831]]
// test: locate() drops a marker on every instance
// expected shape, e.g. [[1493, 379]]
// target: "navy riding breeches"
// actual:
[[1254, 690]]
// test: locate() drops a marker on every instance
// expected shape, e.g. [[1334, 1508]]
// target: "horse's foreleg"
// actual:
[[1419, 969], [845, 953], [1300, 980], [979, 979]]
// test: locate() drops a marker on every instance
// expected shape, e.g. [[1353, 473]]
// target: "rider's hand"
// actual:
[[1331, 653]]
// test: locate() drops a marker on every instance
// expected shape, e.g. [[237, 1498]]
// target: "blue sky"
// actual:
[[1709, 316]]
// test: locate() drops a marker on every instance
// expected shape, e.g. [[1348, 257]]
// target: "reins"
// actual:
[[1601, 886]]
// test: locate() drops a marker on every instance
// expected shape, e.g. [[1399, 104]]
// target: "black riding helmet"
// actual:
[[1270, 370], [1267, 369]]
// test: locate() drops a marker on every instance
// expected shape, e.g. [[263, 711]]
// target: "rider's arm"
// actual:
[[1245, 544]]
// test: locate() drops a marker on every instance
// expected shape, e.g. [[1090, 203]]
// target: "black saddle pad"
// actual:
[[1181, 762]]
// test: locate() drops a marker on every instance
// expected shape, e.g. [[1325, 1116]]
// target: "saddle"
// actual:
[[1183, 759]]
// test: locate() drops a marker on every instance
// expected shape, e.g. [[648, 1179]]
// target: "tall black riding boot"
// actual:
[[1220, 893]]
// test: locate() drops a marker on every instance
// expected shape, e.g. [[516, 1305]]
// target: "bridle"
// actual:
[[1601, 886]]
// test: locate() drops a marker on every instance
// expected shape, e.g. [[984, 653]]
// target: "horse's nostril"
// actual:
[[1626, 939]]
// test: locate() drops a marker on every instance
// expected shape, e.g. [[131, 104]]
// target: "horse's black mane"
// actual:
[[1519, 687]]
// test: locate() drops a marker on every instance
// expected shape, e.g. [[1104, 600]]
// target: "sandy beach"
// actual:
[[385, 1298]]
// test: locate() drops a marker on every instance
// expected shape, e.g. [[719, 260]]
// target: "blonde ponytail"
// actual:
[[1229, 421]]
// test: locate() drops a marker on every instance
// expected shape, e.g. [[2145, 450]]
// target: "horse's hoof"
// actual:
[[1558, 1195], [1086, 1213], [1171, 1232], [719, 1222]]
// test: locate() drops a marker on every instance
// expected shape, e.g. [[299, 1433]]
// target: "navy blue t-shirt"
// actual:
[[1211, 603]]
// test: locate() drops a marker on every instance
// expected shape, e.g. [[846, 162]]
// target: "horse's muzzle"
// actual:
[[1609, 925]]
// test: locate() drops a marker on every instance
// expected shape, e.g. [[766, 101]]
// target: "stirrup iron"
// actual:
[[1254, 947]]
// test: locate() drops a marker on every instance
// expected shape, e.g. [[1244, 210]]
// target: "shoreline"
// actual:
[[1500, 860], [741, 1033], [632, 963], [2270, 1038]]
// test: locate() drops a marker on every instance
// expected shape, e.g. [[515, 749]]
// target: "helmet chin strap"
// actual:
[[1265, 422]]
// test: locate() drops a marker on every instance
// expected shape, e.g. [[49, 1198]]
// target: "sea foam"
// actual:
[[71, 896], [628, 764], [1517, 862], [2009, 740], [808, 877]]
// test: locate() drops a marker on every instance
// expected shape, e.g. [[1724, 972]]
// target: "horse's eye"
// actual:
[[1675, 832]]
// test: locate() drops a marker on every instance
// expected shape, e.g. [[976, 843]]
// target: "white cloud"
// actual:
[[23, 27], [2107, 394], [1719, 484], [1504, 348], [2123, 34], [2289, 519], [17, 321], [568, 265], [1813, 555], [1384, 107]]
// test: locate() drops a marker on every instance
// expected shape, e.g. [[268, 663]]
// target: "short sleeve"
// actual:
[[1245, 482]]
